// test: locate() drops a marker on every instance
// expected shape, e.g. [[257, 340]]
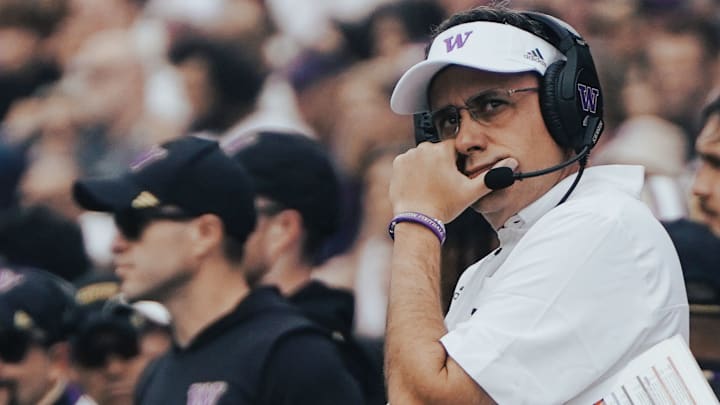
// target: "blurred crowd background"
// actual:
[[86, 85]]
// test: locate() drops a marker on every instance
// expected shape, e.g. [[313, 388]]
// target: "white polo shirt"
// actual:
[[572, 294]]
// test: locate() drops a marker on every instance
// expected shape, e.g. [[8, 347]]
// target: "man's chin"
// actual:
[[489, 203], [715, 228]]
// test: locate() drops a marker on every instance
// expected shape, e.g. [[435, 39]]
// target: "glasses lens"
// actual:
[[93, 348], [13, 346], [446, 121], [131, 224]]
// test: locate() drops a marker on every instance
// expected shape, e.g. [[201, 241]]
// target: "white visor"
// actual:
[[482, 45], [154, 311]]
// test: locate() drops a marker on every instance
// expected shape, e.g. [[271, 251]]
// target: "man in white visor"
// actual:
[[584, 278]]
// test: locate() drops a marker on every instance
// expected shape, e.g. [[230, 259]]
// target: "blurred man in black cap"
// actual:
[[184, 212], [34, 364], [298, 204], [707, 179], [111, 341], [698, 246]]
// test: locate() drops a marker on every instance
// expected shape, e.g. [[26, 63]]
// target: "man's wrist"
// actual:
[[435, 225]]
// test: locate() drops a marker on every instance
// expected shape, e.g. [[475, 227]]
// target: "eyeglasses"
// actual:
[[132, 223], [485, 108], [14, 345]]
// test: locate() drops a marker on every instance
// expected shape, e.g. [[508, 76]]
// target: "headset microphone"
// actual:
[[502, 177]]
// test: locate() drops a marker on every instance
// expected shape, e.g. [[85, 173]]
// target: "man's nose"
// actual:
[[471, 135]]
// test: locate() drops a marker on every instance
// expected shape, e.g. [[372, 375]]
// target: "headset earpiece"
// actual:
[[424, 129], [570, 92], [548, 95]]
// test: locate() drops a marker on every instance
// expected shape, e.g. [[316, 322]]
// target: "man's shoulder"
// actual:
[[609, 182], [607, 192]]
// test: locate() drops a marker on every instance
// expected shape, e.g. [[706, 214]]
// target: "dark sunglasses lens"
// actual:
[[130, 224], [93, 351], [13, 346]]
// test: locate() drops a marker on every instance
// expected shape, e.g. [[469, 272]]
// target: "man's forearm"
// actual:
[[415, 322], [418, 368]]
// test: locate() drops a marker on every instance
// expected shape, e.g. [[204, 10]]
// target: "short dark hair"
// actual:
[[235, 73], [41, 19]]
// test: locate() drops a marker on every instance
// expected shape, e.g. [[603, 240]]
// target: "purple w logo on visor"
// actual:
[[456, 42], [588, 97]]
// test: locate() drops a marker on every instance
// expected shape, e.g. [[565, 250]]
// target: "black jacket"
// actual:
[[265, 352]]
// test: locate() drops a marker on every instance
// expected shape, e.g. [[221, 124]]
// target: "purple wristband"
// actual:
[[435, 225]]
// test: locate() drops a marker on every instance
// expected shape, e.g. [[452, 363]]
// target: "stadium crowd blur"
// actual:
[[86, 85]]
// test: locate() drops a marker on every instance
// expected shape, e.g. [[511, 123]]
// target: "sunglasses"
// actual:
[[485, 108], [132, 223], [14, 345]]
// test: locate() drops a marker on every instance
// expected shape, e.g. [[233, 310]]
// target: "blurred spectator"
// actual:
[[299, 209], [12, 166], [25, 64], [222, 81], [36, 236], [659, 146], [365, 266], [396, 25], [93, 123], [106, 82], [87, 17], [680, 52], [184, 212], [224, 19], [706, 187], [34, 354], [47, 180], [112, 342], [699, 252], [698, 246]]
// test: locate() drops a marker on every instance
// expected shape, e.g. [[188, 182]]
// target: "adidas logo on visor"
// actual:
[[535, 56]]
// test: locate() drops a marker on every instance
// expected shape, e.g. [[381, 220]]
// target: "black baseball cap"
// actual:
[[36, 303], [294, 170], [103, 324], [191, 173]]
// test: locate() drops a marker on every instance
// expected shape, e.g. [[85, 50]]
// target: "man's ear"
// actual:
[[286, 230], [59, 360], [206, 233]]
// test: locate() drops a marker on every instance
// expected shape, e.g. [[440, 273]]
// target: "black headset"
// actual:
[[571, 100]]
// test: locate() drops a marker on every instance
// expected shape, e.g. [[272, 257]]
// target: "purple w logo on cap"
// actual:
[[588, 97], [456, 42]]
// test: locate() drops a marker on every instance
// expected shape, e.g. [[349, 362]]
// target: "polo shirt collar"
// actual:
[[627, 178]]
